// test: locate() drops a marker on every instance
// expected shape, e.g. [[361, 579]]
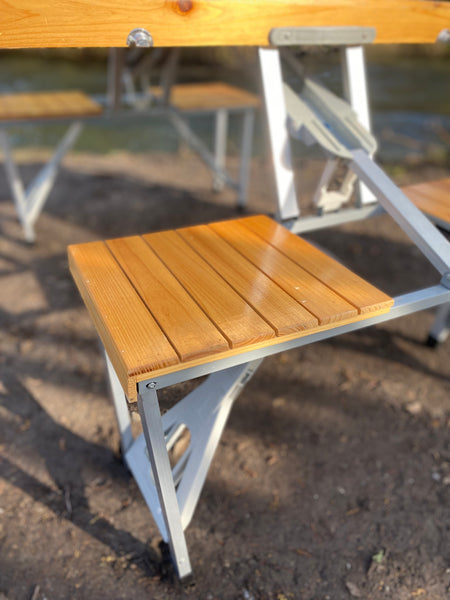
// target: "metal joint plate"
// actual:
[[321, 36]]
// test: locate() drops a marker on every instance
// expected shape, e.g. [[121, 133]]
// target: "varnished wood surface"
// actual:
[[433, 198], [100, 23], [46, 105], [208, 96], [174, 299]]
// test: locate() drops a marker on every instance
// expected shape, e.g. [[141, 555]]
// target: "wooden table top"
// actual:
[[96, 23], [169, 300], [46, 105]]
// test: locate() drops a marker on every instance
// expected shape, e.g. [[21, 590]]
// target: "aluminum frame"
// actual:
[[30, 201]]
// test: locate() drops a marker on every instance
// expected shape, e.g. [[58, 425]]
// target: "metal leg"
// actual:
[[277, 118], [30, 202], [120, 404], [220, 147], [162, 476], [441, 327], [172, 494], [246, 155], [413, 222], [355, 87]]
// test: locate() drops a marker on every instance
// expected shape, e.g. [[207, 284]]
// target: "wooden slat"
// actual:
[[48, 105], [208, 96], [187, 327], [315, 296], [361, 294], [279, 309], [131, 336], [237, 321], [432, 197], [96, 23]]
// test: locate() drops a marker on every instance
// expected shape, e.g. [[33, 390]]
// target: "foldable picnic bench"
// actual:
[[216, 299], [42, 107]]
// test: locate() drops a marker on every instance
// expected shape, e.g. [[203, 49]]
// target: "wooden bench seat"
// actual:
[[47, 105], [433, 198], [164, 301], [209, 96]]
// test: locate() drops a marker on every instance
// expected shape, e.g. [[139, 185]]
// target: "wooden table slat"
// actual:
[[279, 309], [131, 336], [190, 331], [357, 291], [237, 321], [316, 297]]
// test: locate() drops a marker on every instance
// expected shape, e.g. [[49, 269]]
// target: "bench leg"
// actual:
[[30, 202], [163, 480], [220, 147], [246, 155], [441, 327], [172, 493]]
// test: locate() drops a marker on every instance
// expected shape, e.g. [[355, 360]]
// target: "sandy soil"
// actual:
[[332, 480]]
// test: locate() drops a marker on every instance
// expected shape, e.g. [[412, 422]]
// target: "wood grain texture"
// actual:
[[433, 198], [107, 23], [358, 292], [131, 336], [188, 328], [279, 309], [208, 96], [181, 298], [309, 291], [234, 318], [47, 105]]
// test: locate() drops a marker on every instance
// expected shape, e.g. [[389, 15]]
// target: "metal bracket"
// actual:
[[322, 36]]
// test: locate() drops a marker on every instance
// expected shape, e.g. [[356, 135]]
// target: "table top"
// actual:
[[177, 299], [96, 23]]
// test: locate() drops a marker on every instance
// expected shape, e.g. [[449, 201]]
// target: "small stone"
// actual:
[[414, 408], [353, 589]]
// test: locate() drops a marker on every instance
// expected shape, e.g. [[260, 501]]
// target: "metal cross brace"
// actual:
[[172, 494], [29, 202]]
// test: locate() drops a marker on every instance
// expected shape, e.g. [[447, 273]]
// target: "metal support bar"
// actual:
[[197, 145], [120, 405], [220, 146], [30, 202], [441, 326], [162, 475], [415, 224], [172, 494], [277, 118], [246, 155], [403, 305], [355, 89]]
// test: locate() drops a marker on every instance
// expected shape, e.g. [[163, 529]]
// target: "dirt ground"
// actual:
[[332, 480]]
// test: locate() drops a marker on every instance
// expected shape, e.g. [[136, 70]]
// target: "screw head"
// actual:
[[151, 385], [139, 38]]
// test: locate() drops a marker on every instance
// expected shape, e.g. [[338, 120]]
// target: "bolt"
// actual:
[[139, 38], [444, 36], [151, 385]]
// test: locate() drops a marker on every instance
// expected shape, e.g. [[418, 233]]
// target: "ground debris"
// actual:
[[353, 589]]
